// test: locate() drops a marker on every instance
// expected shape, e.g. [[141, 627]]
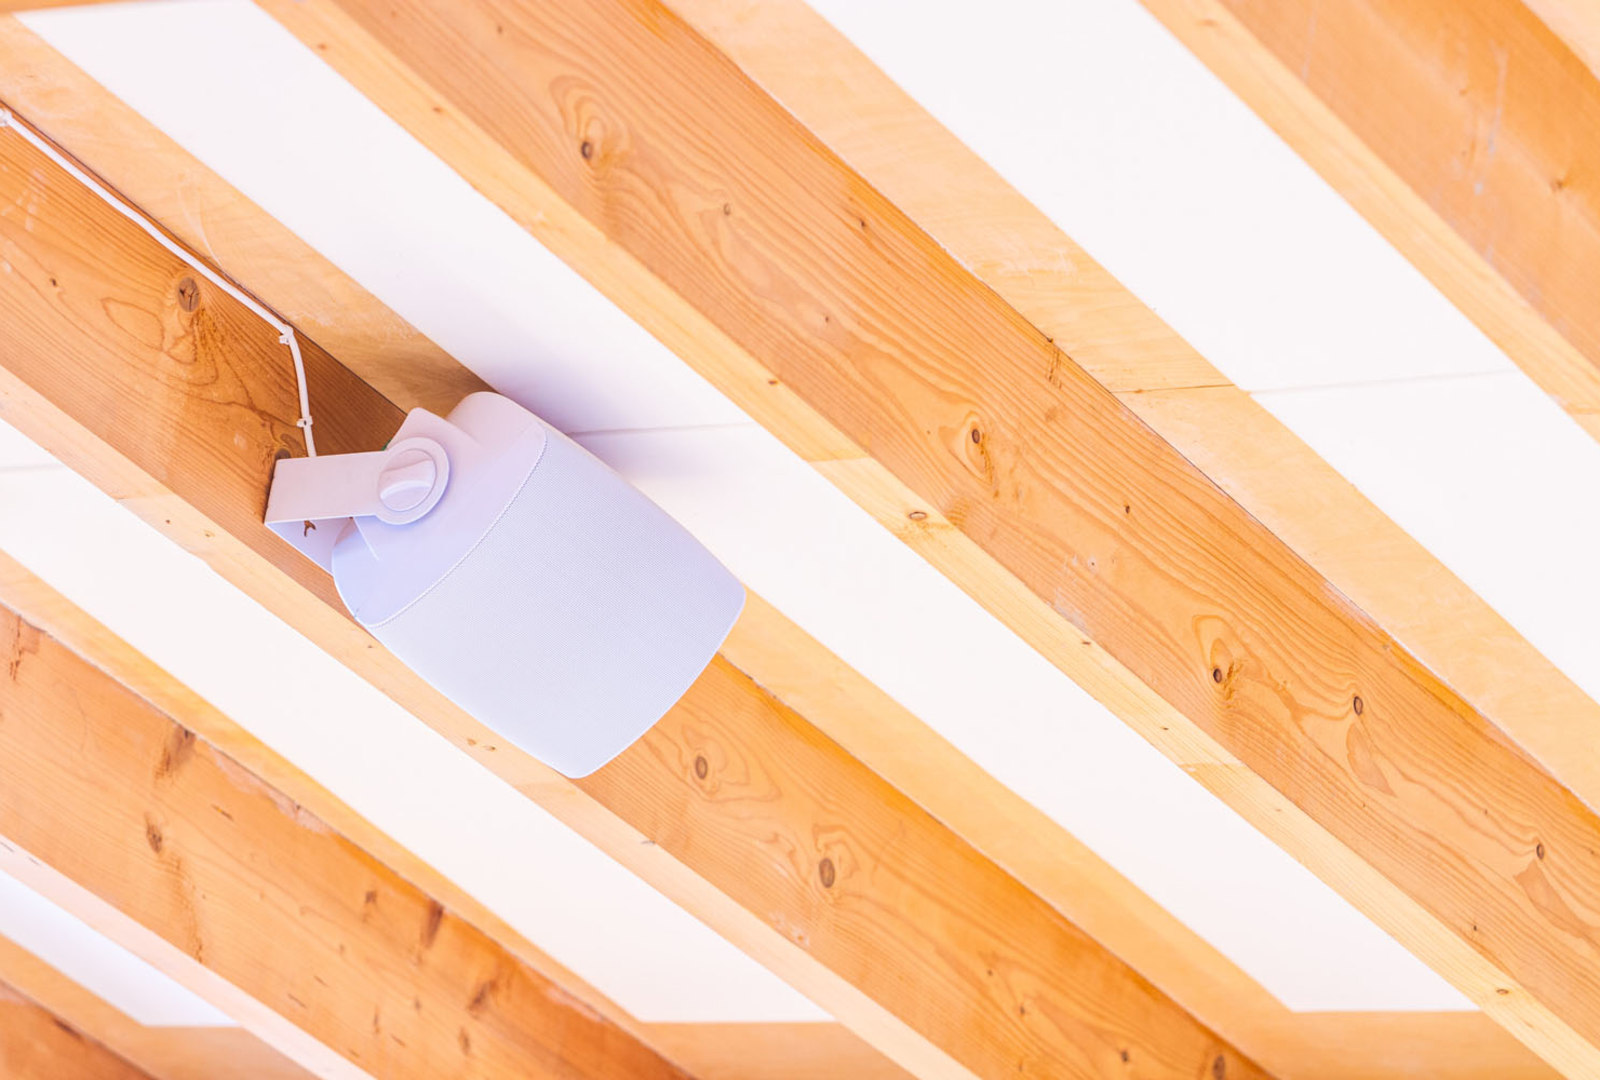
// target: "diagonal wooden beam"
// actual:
[[1463, 132], [164, 1053], [199, 1054], [210, 216], [1576, 22], [756, 822], [650, 162], [35, 1044], [127, 802]]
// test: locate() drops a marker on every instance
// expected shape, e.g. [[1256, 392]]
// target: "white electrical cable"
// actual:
[[285, 331]]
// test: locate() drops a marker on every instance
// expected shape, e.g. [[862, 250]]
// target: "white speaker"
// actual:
[[515, 572]]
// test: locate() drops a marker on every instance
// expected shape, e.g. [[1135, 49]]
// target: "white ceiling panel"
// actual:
[[1493, 478], [1109, 125], [99, 964]]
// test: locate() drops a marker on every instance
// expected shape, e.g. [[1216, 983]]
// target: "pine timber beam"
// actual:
[[755, 821], [1466, 133], [35, 1044], [1576, 22], [164, 1053], [126, 802], [643, 156]]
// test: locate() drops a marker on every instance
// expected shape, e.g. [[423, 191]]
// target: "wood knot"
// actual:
[[1358, 705], [586, 149], [152, 835], [1216, 675], [430, 926], [702, 767], [918, 515], [1538, 850], [825, 872], [977, 436], [188, 294], [1219, 1068]]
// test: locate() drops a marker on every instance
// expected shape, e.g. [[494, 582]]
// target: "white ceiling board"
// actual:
[[565, 895], [237, 91], [1494, 478], [790, 535], [793, 538], [1109, 125], [19, 452], [97, 963]]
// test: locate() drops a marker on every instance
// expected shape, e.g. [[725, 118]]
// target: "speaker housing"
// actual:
[[516, 573]]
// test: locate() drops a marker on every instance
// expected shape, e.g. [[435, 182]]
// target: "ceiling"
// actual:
[[1191, 202]]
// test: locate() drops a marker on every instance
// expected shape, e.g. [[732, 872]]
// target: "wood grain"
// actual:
[[643, 156], [37, 1045], [775, 1052], [130, 804], [878, 887], [164, 1053], [182, 412], [1463, 132], [1575, 22], [211, 217]]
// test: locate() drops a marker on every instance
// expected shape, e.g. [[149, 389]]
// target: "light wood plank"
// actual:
[[213, 218], [129, 803], [775, 1052], [181, 413], [816, 304], [1463, 132], [165, 1053], [37, 1045], [1576, 22]]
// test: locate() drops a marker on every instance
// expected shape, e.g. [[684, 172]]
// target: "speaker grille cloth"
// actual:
[[577, 621]]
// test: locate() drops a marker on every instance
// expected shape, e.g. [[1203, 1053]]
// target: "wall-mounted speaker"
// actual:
[[515, 572]]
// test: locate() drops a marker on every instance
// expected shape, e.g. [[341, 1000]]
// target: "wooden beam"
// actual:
[[1464, 133], [210, 216], [702, 207], [1015, 249], [127, 802], [40, 606], [842, 885], [1576, 22], [196, 1054], [164, 1053], [775, 1052], [35, 1044]]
